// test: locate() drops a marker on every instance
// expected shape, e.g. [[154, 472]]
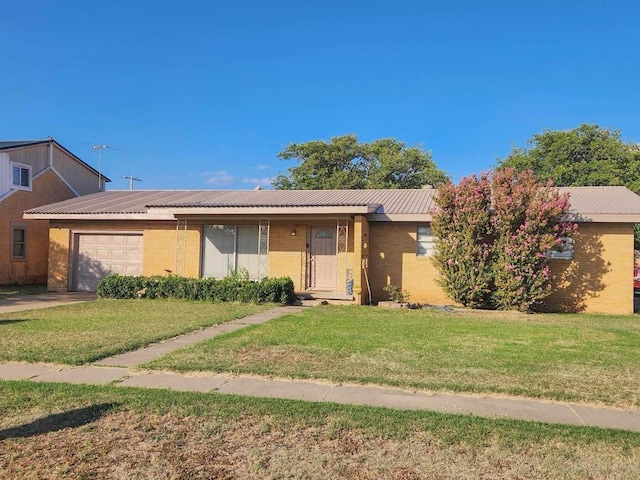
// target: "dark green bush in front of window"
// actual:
[[230, 289]]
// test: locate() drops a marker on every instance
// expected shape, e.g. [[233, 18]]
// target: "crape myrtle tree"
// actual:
[[528, 221], [493, 237], [464, 241], [345, 163]]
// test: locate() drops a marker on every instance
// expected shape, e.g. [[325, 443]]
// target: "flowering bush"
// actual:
[[464, 241], [493, 238]]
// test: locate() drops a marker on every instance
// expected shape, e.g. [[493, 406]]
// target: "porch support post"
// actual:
[[343, 256], [360, 266], [263, 249]]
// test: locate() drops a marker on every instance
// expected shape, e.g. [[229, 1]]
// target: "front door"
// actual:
[[323, 261]]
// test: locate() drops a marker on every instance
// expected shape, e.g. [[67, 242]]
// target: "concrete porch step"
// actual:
[[324, 295]]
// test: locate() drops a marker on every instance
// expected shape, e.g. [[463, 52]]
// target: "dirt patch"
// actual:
[[126, 445]]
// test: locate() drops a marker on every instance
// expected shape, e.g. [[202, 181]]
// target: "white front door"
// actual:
[[323, 261]]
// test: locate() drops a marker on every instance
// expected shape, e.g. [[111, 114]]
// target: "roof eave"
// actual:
[[603, 217], [305, 210]]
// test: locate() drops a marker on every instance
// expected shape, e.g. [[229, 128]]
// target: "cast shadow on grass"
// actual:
[[59, 421], [9, 321]]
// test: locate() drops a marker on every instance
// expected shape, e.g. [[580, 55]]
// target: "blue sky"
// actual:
[[205, 94]]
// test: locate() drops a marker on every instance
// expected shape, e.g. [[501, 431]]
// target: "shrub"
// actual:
[[230, 289], [396, 294]]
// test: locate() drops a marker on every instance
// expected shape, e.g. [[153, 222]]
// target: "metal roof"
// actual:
[[587, 203], [141, 201]]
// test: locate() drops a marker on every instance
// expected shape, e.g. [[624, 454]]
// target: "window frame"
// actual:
[[567, 252], [425, 247], [25, 229], [21, 168]]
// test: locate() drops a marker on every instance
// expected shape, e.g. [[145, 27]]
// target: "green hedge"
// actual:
[[268, 290]]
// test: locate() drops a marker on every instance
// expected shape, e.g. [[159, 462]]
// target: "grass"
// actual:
[[584, 358], [84, 332], [8, 291], [55, 430]]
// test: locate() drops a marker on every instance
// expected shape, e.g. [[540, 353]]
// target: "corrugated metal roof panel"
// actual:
[[584, 200], [602, 200]]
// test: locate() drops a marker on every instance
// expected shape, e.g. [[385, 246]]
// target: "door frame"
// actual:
[[309, 280]]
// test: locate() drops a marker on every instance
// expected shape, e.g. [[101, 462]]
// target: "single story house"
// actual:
[[345, 244]]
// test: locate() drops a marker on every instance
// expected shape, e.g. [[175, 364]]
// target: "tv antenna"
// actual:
[[99, 149], [131, 179]]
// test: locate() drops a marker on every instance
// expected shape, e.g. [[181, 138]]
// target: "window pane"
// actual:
[[219, 251], [18, 235], [425, 243], [16, 175], [247, 250], [18, 245], [24, 177]]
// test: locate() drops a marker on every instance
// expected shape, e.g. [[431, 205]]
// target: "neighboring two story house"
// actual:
[[35, 173]]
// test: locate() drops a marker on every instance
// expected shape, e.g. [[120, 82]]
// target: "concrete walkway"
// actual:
[[156, 350], [117, 370], [43, 300]]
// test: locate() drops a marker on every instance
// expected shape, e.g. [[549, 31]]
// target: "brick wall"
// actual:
[[599, 278], [47, 188], [287, 253], [393, 261]]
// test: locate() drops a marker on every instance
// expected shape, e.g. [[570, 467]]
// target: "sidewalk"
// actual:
[[118, 370], [549, 412]]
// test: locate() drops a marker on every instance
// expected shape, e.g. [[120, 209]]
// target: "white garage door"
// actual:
[[98, 255]]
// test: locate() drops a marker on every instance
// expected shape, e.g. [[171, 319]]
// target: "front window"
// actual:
[[22, 176], [425, 241], [229, 249], [18, 243]]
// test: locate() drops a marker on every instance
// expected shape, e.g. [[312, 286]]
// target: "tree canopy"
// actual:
[[587, 155], [345, 163]]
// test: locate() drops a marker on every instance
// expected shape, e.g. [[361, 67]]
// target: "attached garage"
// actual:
[[96, 255]]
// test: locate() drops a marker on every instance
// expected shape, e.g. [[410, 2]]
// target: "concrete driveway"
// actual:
[[44, 300]]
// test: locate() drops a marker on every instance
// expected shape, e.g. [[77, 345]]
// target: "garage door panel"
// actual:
[[98, 255]]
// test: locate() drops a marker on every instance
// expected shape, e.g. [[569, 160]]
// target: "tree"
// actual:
[[587, 155], [527, 223], [464, 241], [345, 163], [493, 238]]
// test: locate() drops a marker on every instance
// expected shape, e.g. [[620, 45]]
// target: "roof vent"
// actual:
[[258, 188]]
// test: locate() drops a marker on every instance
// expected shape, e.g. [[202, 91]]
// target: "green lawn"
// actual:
[[587, 358], [71, 431], [85, 332]]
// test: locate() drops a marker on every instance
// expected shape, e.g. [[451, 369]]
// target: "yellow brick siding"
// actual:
[[59, 245], [47, 188], [159, 256], [287, 253], [599, 279], [393, 261]]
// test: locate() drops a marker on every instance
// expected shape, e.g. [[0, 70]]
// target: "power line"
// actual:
[[131, 179]]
